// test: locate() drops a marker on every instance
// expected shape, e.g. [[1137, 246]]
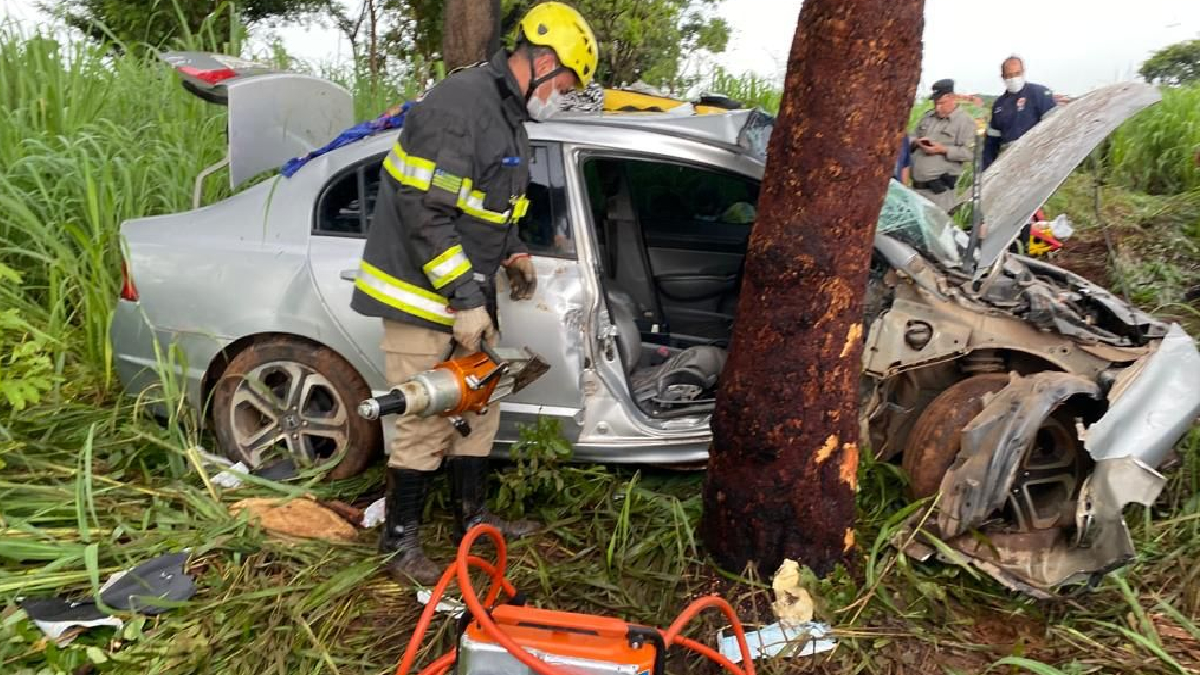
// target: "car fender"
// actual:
[[994, 442]]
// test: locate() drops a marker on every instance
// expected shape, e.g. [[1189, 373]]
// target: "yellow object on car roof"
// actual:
[[623, 100]]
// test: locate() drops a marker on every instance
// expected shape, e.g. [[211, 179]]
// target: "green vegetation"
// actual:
[[647, 40], [90, 484], [160, 22], [1157, 151], [1175, 64], [751, 90]]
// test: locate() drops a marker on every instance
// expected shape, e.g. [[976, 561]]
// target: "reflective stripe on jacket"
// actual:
[[451, 191]]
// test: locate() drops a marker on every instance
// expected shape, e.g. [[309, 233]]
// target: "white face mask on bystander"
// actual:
[[1014, 84]]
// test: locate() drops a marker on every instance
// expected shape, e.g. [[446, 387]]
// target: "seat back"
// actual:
[[629, 339], [630, 268]]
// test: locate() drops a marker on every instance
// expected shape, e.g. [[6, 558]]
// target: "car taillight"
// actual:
[[128, 290]]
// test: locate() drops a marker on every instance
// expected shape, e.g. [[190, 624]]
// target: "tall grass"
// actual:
[[89, 139], [1155, 152], [750, 89]]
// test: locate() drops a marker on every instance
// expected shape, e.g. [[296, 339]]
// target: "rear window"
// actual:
[[347, 205]]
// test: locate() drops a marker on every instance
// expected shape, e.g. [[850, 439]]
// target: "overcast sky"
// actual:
[[1069, 45]]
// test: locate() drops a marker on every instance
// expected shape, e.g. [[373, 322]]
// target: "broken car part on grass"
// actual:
[[149, 588]]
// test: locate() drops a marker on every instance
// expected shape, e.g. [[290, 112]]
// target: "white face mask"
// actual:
[[1014, 84], [540, 110]]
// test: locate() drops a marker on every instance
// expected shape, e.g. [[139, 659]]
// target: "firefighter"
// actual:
[[452, 190], [1021, 106]]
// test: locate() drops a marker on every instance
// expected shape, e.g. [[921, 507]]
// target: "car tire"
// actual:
[[934, 440], [283, 397]]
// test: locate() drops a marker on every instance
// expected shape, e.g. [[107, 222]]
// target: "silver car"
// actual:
[[1065, 400]]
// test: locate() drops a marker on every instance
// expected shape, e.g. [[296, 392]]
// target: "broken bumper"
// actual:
[[1152, 404]]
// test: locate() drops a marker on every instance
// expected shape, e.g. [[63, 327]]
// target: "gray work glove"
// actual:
[[472, 325], [521, 276]]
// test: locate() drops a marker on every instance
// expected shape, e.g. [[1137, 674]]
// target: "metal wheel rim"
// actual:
[[284, 408], [1049, 474]]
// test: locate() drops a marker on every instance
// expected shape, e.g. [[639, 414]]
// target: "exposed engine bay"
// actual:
[[1000, 396]]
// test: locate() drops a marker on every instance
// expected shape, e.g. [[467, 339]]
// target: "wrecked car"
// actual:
[[638, 225], [1031, 402]]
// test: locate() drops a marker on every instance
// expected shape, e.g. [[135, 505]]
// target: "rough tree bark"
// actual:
[[470, 32], [782, 473]]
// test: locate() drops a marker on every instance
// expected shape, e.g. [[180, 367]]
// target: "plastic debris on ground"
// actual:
[[373, 514], [779, 639], [447, 606], [147, 588], [301, 518], [229, 477], [795, 634]]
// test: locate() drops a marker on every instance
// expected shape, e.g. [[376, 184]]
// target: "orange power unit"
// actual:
[[574, 643]]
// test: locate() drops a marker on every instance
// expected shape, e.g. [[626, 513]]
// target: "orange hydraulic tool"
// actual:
[[509, 638], [456, 386]]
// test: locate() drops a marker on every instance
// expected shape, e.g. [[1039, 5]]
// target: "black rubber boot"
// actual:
[[404, 503], [468, 492]]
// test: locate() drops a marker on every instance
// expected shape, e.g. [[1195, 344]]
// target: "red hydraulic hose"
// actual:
[[460, 571]]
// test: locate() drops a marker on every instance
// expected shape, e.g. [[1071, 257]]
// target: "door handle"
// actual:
[[348, 275]]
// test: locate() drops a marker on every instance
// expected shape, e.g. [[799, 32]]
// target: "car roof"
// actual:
[[712, 140], [720, 130]]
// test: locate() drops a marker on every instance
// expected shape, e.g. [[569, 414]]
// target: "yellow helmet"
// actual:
[[561, 28]]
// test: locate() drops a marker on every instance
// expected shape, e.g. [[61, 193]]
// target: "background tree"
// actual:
[[782, 472], [470, 31], [159, 22], [648, 40], [1175, 64]]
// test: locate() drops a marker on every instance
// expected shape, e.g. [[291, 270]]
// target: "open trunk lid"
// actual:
[[273, 115], [1029, 171]]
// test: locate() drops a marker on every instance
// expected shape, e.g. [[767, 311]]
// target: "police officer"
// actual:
[[941, 145], [452, 189], [1018, 110]]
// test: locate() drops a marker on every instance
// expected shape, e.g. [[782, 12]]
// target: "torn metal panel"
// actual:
[[1030, 170], [911, 334], [995, 443], [1152, 407], [1059, 302], [1100, 306], [1037, 563], [1113, 484]]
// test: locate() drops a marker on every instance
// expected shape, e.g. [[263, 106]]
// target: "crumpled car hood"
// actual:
[[1029, 171]]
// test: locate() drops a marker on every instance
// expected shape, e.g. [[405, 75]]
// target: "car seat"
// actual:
[[683, 384]]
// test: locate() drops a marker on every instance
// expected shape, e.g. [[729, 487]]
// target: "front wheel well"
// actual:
[[220, 362]]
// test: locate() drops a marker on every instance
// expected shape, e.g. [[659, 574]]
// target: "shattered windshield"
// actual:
[[914, 220]]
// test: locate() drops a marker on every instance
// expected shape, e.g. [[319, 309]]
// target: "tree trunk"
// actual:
[[373, 48], [470, 32], [782, 474]]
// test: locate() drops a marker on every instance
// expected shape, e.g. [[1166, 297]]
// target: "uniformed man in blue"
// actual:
[[1018, 110]]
